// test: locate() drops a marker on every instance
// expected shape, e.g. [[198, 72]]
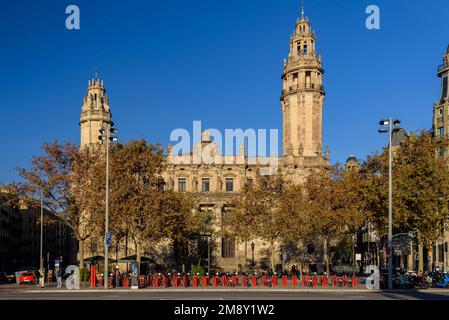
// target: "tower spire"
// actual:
[[302, 9], [96, 72]]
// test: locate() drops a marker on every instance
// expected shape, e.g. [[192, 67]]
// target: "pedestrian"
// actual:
[[42, 277], [59, 277]]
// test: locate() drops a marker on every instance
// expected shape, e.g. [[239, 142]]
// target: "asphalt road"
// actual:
[[33, 293]]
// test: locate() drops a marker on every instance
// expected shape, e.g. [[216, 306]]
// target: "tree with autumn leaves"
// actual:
[[332, 203], [326, 208], [322, 210], [73, 185], [420, 188]]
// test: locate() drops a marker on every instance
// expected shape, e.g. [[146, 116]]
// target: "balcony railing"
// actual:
[[307, 86]]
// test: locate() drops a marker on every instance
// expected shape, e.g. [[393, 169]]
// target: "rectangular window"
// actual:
[[250, 182], [205, 185], [440, 253], [305, 50], [227, 247], [441, 131], [444, 97], [298, 48], [229, 184], [182, 184]]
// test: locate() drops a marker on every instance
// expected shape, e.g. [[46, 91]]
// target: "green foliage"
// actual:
[[197, 269]]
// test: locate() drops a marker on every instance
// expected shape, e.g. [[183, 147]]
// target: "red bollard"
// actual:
[[196, 279], [354, 282], [304, 281], [334, 281], [245, 280], [185, 281], [93, 276], [284, 280], [345, 281], [324, 281], [294, 281], [235, 280], [215, 281], [274, 280], [254, 280], [314, 281], [206, 280], [264, 280]]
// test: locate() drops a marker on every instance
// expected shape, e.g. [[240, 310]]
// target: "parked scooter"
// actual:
[[440, 280]]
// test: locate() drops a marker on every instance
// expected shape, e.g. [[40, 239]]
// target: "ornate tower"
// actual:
[[302, 94], [441, 108], [95, 112]]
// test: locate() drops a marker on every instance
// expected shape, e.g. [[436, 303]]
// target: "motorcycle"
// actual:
[[440, 280]]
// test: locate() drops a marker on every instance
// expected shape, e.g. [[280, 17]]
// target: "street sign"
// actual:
[[108, 239], [358, 257]]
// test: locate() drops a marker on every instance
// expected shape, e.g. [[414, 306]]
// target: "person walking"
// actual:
[[59, 277], [42, 277]]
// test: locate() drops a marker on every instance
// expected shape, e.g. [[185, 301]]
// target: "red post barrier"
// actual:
[[274, 280], [294, 281], [254, 280], [304, 281], [245, 280], [324, 281], [284, 280], [235, 280], [215, 281], [264, 280], [196, 280], [334, 281], [354, 282], [314, 281], [206, 280], [93, 276]]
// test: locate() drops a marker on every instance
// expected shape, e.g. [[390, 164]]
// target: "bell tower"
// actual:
[[302, 94], [441, 108], [95, 112]]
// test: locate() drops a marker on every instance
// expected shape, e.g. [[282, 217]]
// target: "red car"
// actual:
[[26, 278]]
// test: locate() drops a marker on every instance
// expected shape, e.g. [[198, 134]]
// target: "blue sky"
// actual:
[[166, 63]]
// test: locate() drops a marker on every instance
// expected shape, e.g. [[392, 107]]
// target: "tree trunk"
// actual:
[[273, 267], [81, 254], [326, 256], [138, 257], [420, 254]]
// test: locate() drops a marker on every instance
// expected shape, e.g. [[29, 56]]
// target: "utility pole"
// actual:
[[389, 126], [41, 258], [390, 211], [107, 134]]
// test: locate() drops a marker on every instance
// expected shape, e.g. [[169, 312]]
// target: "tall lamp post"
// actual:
[[389, 126], [252, 253], [107, 134], [41, 257]]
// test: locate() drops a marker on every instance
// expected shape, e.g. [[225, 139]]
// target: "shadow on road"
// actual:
[[420, 295]]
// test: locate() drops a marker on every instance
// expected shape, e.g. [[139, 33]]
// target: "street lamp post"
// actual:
[[252, 253], [108, 135], [208, 254], [41, 258], [389, 126]]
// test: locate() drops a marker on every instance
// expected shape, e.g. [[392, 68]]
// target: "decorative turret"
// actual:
[[441, 108], [302, 93], [95, 112]]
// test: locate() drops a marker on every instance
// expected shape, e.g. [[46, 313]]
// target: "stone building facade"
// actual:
[[20, 238], [440, 256], [215, 183]]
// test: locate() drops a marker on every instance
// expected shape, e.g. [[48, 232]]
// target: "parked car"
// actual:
[[5, 278], [27, 278]]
